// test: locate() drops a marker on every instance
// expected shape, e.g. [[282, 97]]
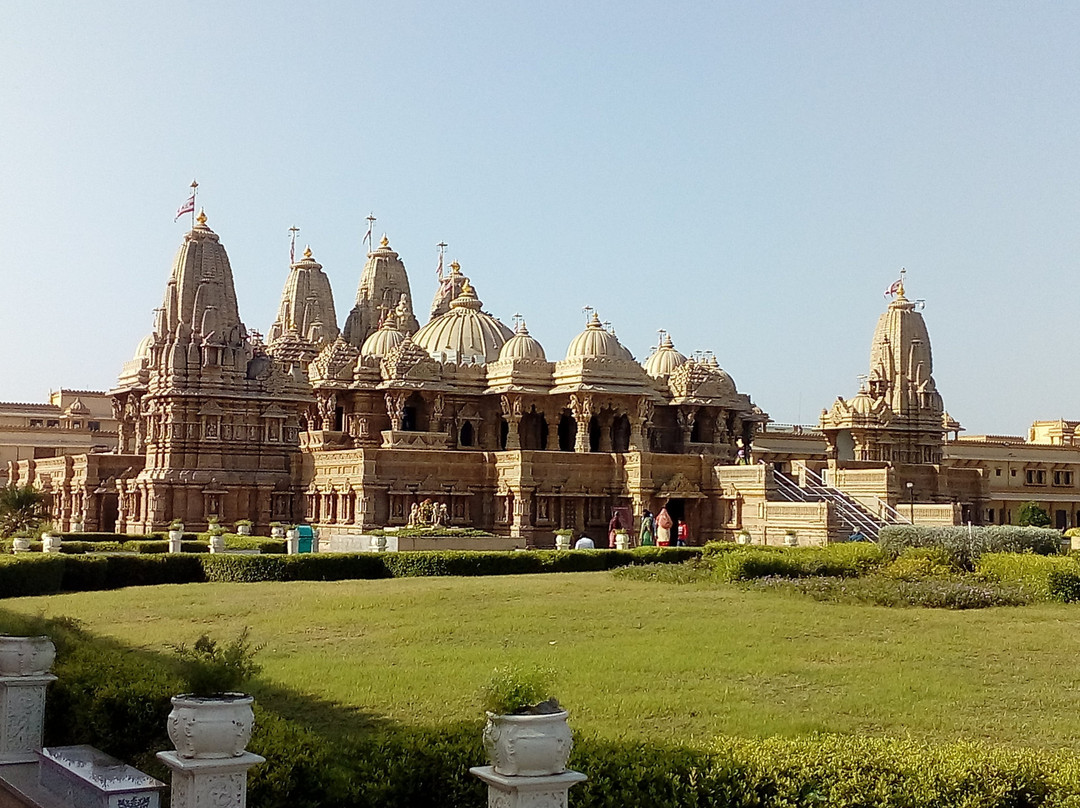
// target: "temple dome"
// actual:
[[465, 333], [664, 359], [522, 346], [381, 342], [596, 341]]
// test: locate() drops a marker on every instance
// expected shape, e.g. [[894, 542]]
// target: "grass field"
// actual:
[[634, 659]]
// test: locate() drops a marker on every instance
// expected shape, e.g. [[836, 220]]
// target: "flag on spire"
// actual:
[[187, 207], [897, 285]]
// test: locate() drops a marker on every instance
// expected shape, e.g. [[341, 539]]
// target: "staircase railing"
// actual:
[[850, 512]]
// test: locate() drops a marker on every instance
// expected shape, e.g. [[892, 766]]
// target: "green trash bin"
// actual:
[[305, 536]]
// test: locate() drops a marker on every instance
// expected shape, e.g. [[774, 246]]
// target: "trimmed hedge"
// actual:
[[847, 560], [966, 544], [72, 573]]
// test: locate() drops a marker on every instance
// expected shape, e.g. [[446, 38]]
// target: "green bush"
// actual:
[[1031, 572], [1033, 514], [155, 546], [966, 544], [848, 560], [921, 563], [964, 592], [32, 574], [1064, 585]]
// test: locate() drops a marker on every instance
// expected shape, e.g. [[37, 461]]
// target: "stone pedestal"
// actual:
[[209, 783], [22, 716], [547, 791]]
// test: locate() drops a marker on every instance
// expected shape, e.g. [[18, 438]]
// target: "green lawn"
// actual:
[[634, 659]]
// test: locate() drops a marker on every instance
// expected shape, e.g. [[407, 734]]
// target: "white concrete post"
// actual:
[[545, 791], [221, 783], [24, 675]]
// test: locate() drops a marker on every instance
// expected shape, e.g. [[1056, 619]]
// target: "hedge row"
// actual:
[[39, 574], [743, 563], [965, 544], [117, 699], [1046, 577]]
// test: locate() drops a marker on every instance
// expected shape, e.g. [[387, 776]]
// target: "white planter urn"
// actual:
[[277, 532], [528, 745], [622, 541], [26, 656], [791, 540], [562, 542], [742, 538], [377, 544], [20, 545], [176, 538], [50, 543], [243, 530], [77, 527], [211, 727], [217, 543], [292, 541]]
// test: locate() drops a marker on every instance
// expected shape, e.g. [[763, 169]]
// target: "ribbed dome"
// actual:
[[143, 351], [664, 359], [388, 337], [522, 346], [463, 334], [596, 341]]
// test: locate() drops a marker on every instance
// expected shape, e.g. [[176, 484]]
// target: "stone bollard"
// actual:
[[201, 774], [176, 541], [24, 675], [292, 541], [217, 543], [50, 543], [622, 541]]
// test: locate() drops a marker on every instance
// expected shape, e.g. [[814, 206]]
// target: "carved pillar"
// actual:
[[512, 412], [395, 408], [685, 418], [582, 408], [552, 418], [521, 513], [438, 405], [506, 791], [606, 419], [221, 782]]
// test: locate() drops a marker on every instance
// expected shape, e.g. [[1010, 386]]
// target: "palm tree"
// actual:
[[22, 507]]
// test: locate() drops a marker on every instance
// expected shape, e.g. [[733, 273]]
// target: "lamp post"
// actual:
[[911, 500]]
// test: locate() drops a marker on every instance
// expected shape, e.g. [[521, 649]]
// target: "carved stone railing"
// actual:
[[398, 439]]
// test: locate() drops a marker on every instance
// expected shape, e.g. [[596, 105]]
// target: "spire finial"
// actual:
[[903, 276], [201, 218], [307, 251], [455, 268], [385, 242]]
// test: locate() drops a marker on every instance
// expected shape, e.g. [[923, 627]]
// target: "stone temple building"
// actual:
[[350, 427]]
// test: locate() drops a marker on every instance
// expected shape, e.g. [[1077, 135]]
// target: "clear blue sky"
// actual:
[[749, 176]]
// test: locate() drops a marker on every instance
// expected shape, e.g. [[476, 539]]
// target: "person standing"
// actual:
[[663, 528], [683, 534], [648, 529]]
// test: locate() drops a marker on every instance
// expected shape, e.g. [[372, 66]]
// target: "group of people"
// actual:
[[663, 531]]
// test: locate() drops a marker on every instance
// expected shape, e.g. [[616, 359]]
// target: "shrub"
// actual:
[[31, 574], [966, 544], [1033, 514], [210, 668], [841, 560], [1030, 572], [877, 590], [514, 690], [689, 572], [921, 563]]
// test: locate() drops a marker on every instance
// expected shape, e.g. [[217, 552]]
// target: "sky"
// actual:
[[750, 177]]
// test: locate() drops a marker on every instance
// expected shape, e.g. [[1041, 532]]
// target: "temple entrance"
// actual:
[[620, 434], [676, 509], [466, 438], [109, 508]]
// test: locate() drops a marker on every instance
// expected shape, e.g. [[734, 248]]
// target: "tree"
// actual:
[[1033, 514], [22, 507]]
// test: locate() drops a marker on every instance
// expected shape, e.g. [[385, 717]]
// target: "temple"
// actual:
[[351, 428]]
